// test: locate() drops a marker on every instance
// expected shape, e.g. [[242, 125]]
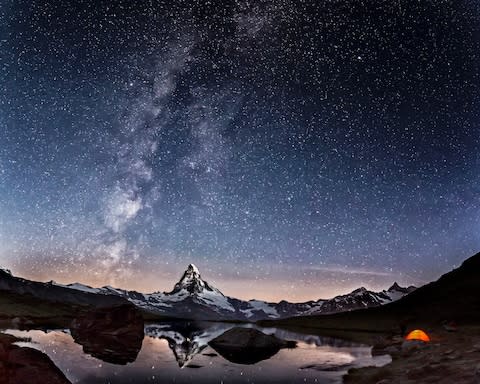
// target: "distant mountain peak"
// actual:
[[191, 276], [192, 282], [397, 288], [360, 290], [193, 269]]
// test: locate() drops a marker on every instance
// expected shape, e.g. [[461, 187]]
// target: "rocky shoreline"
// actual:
[[19, 365], [450, 357]]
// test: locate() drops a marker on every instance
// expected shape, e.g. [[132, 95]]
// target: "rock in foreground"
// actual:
[[21, 365], [449, 358]]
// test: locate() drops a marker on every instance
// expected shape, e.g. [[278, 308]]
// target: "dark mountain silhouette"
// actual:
[[47, 302], [454, 296]]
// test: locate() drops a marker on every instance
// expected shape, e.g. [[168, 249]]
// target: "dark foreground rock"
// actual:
[[113, 335], [448, 358], [21, 365], [248, 346]]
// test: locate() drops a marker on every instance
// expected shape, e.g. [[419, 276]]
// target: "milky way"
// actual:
[[291, 149]]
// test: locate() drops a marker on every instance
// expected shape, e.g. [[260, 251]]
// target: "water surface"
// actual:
[[179, 353]]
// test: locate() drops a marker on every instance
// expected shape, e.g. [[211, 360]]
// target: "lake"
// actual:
[[179, 352]]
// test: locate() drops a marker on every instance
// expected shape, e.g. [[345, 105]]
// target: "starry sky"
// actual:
[[290, 149]]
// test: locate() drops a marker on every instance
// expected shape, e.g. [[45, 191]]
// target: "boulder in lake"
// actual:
[[248, 345]]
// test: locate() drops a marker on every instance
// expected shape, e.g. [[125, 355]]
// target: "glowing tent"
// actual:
[[418, 334]]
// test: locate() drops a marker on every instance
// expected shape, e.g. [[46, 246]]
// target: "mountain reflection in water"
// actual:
[[170, 350]]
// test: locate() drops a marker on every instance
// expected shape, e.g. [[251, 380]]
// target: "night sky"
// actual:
[[290, 149]]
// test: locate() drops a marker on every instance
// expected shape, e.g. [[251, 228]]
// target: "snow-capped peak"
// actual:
[[190, 275], [191, 286], [193, 269], [192, 282]]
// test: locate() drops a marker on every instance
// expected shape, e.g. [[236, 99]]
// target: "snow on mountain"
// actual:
[[257, 305], [6, 270], [396, 292], [192, 282], [80, 287], [360, 298], [191, 285], [193, 297]]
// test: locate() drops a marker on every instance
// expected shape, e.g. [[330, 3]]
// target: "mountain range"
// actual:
[[194, 298], [453, 297], [51, 292]]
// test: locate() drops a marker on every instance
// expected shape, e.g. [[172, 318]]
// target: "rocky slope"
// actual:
[[54, 293]]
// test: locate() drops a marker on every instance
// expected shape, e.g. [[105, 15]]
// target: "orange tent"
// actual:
[[418, 334]]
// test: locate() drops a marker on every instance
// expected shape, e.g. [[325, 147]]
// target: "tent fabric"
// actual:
[[418, 334]]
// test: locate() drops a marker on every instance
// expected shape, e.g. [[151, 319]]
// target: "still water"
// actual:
[[180, 353]]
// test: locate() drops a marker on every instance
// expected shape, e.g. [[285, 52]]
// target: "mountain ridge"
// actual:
[[453, 296], [193, 297]]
